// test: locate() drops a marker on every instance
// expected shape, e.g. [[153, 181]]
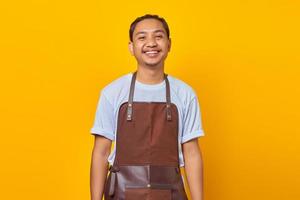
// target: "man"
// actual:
[[154, 119]]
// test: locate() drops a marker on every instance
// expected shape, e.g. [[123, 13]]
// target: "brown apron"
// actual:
[[146, 166]]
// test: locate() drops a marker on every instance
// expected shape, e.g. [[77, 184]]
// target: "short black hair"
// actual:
[[148, 16]]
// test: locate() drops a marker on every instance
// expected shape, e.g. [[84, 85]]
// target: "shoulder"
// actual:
[[182, 90], [115, 87]]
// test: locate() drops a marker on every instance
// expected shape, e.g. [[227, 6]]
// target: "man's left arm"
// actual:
[[193, 168]]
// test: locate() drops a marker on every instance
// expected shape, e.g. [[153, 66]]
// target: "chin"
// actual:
[[152, 64]]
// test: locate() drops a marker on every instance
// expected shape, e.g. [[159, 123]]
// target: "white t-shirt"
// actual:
[[117, 92]]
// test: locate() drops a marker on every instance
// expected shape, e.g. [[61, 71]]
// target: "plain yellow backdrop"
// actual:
[[241, 57]]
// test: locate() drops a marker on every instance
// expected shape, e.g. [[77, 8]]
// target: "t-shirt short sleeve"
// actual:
[[104, 118], [192, 124]]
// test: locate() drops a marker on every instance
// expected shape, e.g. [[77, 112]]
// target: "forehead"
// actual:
[[149, 25]]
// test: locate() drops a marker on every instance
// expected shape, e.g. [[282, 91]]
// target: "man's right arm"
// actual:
[[99, 166]]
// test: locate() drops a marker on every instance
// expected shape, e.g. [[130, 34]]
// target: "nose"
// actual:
[[151, 42]]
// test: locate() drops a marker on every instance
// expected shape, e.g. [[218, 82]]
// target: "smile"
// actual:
[[151, 53]]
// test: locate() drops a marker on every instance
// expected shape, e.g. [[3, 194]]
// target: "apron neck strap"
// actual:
[[131, 93]]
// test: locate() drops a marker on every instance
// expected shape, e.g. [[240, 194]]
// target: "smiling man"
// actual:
[[155, 121], [150, 44]]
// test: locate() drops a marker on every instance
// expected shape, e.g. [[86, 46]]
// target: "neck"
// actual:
[[150, 75]]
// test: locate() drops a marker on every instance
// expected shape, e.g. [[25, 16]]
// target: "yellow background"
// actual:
[[241, 57]]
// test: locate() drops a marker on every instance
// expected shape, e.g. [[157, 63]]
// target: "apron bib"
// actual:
[[146, 166]]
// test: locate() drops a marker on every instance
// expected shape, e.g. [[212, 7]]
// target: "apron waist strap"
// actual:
[[113, 170]]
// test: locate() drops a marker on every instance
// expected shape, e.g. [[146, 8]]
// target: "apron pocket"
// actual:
[[147, 193], [161, 191], [136, 193], [157, 194]]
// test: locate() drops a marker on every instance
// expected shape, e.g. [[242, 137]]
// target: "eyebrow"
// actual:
[[156, 31]]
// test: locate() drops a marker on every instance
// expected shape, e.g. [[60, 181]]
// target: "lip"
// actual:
[[151, 54], [152, 51]]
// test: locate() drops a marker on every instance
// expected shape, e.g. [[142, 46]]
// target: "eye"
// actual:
[[141, 37], [159, 36]]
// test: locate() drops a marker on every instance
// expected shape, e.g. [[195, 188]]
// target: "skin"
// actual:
[[149, 35], [99, 166], [193, 168]]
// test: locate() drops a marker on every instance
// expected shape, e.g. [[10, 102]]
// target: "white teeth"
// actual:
[[148, 52]]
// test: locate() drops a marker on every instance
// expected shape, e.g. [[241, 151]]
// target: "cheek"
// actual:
[[138, 48], [163, 45]]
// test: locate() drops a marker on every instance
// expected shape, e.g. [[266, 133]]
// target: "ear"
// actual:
[[169, 47], [130, 47]]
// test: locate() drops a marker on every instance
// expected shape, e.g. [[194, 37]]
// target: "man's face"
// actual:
[[150, 44]]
